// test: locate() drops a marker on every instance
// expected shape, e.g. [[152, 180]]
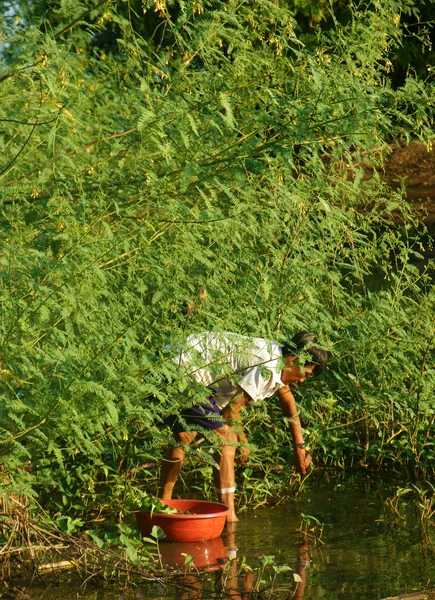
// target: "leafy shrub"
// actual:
[[214, 177]]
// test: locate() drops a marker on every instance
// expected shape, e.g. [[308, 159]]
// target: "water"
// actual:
[[342, 540], [365, 552]]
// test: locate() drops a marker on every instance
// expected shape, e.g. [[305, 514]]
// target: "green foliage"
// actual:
[[142, 501], [208, 176]]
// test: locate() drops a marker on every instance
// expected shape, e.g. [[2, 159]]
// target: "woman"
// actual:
[[238, 370]]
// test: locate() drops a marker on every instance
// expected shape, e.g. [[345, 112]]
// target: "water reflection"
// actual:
[[363, 551], [202, 556], [220, 556]]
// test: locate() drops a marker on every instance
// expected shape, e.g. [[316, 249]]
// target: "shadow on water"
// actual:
[[338, 542]]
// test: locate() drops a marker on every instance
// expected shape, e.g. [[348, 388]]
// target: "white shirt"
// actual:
[[223, 361]]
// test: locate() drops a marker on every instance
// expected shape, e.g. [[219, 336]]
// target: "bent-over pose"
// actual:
[[238, 370]]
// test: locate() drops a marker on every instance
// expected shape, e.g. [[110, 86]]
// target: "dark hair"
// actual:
[[307, 342]]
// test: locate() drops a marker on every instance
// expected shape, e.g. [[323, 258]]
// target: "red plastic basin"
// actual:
[[206, 521]]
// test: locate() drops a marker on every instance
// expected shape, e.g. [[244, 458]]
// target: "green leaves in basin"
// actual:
[[144, 502]]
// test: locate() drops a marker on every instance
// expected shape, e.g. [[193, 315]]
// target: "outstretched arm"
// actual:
[[289, 409], [232, 415]]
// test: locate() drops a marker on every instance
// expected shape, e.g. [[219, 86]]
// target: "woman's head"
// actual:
[[304, 343]]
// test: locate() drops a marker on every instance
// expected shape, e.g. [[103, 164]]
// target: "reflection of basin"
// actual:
[[205, 521], [205, 554]]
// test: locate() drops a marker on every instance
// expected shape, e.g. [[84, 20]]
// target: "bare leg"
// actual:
[[172, 463], [224, 477]]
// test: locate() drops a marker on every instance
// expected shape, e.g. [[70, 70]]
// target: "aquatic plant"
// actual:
[[416, 498]]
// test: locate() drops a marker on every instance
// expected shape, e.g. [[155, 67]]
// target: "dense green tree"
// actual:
[[198, 166]]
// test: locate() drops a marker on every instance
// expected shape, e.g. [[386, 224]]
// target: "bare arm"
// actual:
[[289, 409]]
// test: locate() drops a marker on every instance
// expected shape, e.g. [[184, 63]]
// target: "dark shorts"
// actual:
[[206, 415]]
